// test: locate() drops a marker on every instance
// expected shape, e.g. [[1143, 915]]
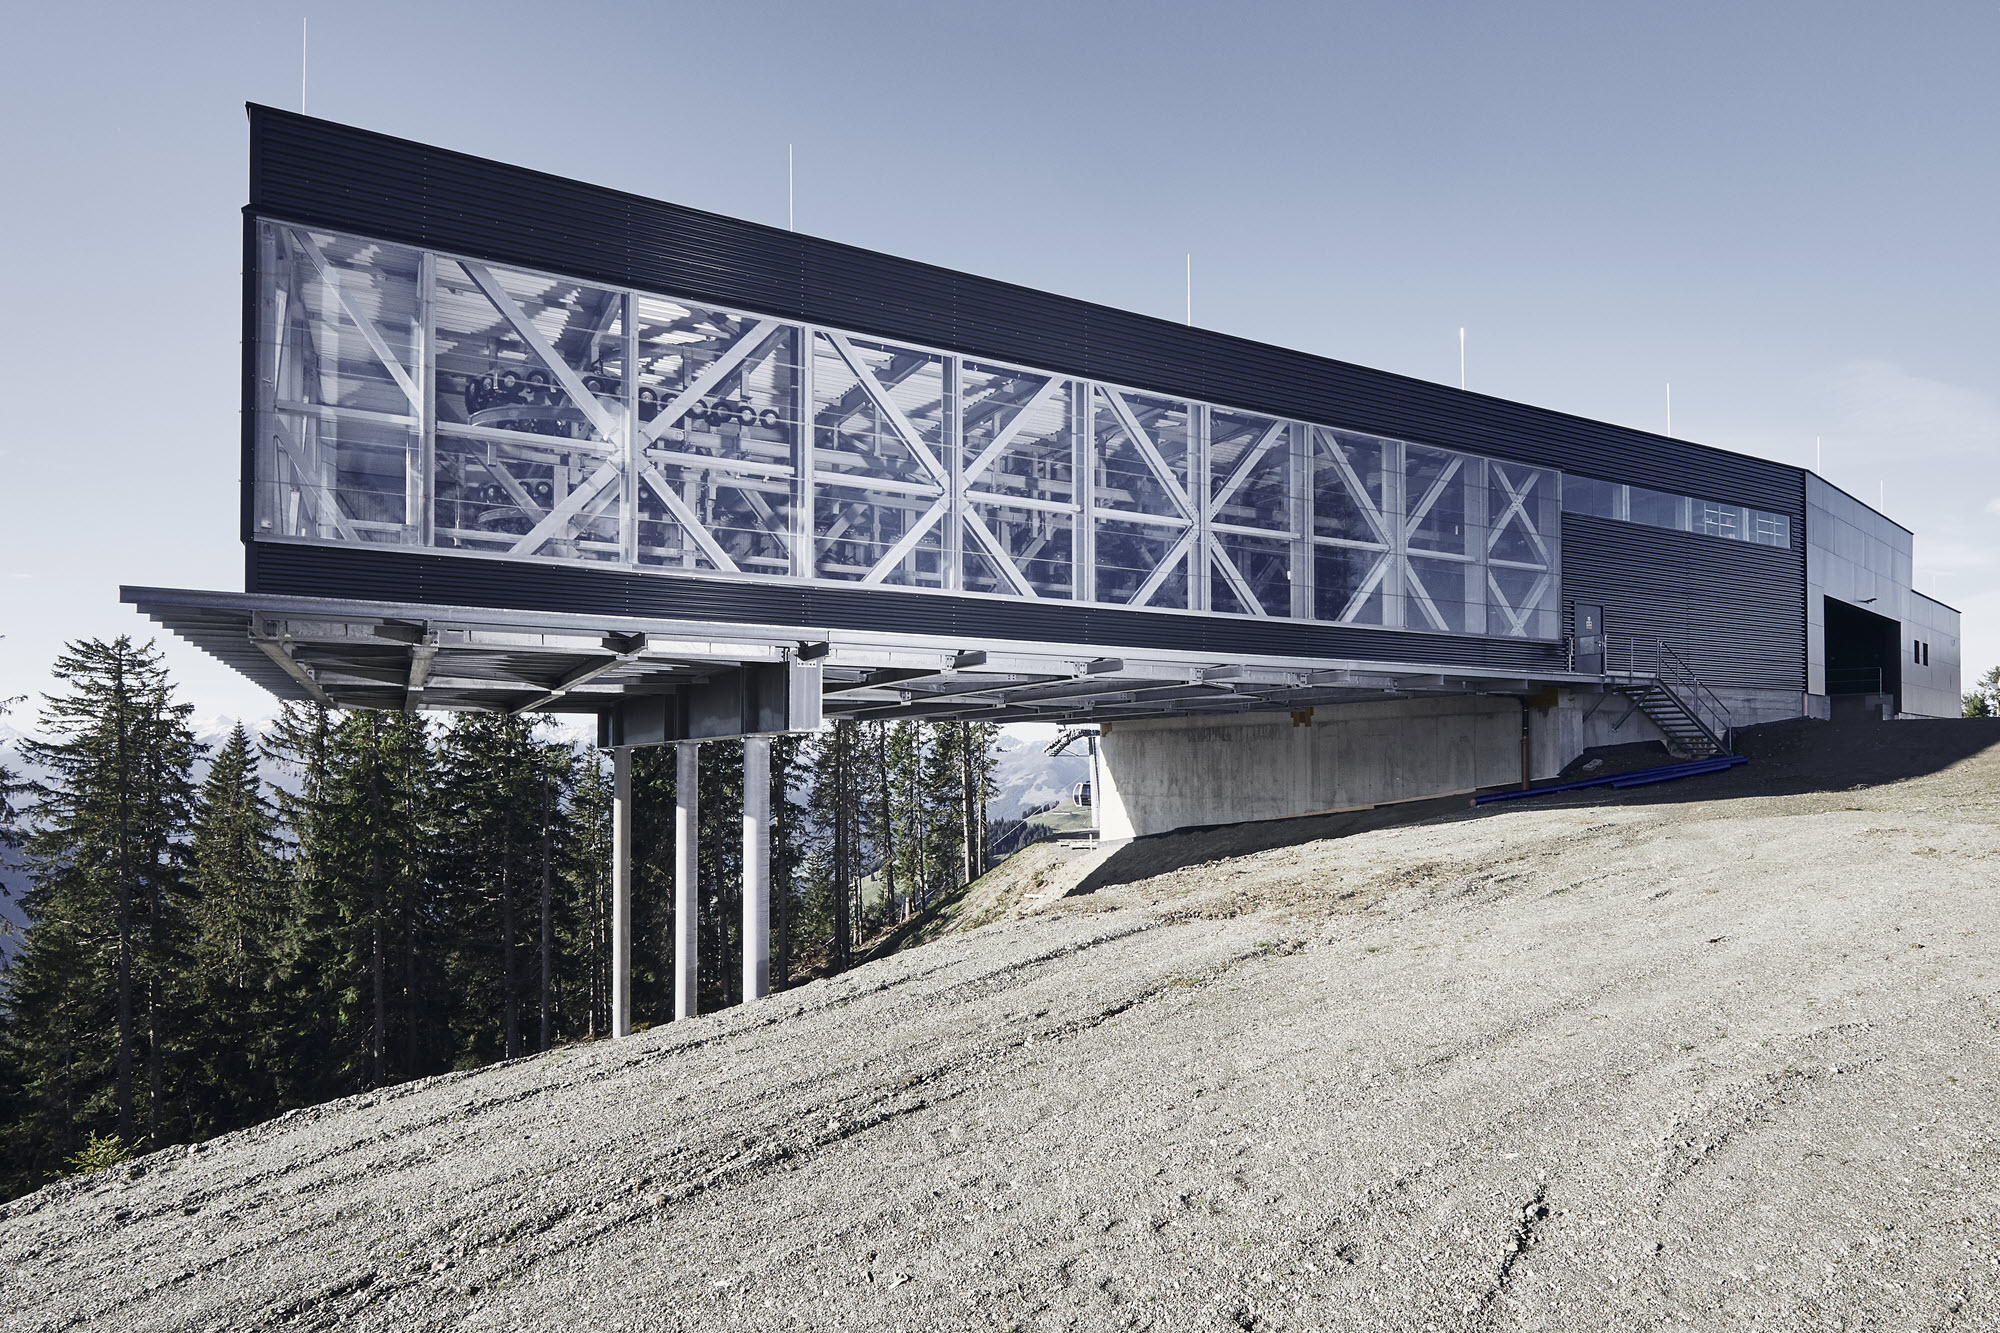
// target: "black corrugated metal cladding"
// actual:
[[380, 574], [1743, 604], [1714, 600]]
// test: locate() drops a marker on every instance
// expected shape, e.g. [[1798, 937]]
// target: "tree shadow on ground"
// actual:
[[1787, 758]]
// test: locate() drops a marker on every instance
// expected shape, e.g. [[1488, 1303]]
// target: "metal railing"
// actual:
[[1856, 680], [1656, 660]]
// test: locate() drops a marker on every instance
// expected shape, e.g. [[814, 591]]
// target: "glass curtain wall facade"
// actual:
[[1679, 513], [418, 399]]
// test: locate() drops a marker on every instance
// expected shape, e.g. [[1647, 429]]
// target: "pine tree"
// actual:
[[490, 832], [234, 921], [12, 790], [583, 926], [360, 894], [1983, 699], [721, 863], [89, 994], [940, 796], [791, 780], [837, 808]]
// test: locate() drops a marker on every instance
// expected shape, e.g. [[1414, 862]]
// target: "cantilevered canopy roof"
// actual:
[[408, 656]]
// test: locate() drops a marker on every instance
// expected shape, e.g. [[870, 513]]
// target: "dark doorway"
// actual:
[[1863, 652]]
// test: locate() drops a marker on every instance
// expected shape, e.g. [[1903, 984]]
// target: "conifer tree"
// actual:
[[89, 995], [359, 893], [491, 832], [583, 926], [234, 924], [791, 779], [12, 792], [838, 808]]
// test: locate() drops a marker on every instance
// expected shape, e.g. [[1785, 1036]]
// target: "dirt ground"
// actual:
[[1718, 1054]]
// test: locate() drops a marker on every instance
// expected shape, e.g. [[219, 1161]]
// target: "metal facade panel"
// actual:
[[383, 574], [1734, 611], [314, 172]]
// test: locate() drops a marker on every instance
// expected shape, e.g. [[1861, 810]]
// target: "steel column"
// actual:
[[756, 867], [687, 870], [621, 891]]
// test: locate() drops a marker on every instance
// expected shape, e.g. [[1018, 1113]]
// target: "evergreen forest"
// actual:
[[405, 896]]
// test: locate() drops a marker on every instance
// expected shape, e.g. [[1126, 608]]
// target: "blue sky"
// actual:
[[1786, 211]]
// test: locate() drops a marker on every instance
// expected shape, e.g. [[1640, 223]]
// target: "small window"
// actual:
[[1584, 495], [1657, 509], [1927, 653], [1917, 651]]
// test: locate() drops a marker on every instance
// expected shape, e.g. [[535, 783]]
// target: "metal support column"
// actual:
[[1083, 445], [621, 891], [687, 869], [1201, 557], [756, 867], [953, 571], [1303, 547], [422, 487]]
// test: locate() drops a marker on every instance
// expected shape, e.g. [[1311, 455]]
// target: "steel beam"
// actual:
[[622, 649]]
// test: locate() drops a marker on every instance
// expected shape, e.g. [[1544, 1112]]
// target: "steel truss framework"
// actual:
[[421, 399], [413, 656]]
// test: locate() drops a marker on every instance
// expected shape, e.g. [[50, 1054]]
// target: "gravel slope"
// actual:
[[1702, 1056]]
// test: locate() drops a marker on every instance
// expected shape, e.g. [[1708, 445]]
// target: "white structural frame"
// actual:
[[1176, 542]]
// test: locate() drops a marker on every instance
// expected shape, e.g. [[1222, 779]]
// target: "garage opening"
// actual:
[[1863, 652]]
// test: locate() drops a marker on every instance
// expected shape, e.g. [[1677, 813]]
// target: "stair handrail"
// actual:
[[1720, 724], [1655, 659]]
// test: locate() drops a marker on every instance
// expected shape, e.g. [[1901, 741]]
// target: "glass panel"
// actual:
[[1770, 529], [1586, 495], [1657, 509], [749, 519], [1520, 513], [1265, 564], [1523, 603], [1443, 595], [1250, 470], [859, 435], [856, 529], [1719, 520], [1039, 542], [1349, 584], [1126, 478], [1351, 485], [747, 413], [663, 541], [1038, 461], [489, 373], [1434, 491], [538, 472], [338, 448], [1127, 555]]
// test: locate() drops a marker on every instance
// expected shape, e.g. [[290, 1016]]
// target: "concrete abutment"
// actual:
[[1167, 773]]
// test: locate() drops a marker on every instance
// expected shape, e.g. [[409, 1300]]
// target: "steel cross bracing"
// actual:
[[404, 656], [422, 399]]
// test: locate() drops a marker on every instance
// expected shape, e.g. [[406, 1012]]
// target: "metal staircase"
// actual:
[[1656, 682]]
